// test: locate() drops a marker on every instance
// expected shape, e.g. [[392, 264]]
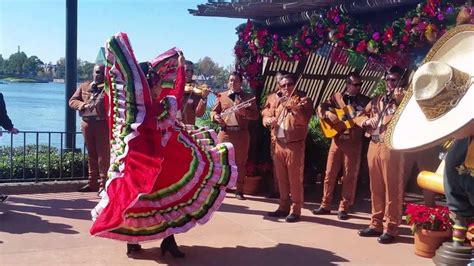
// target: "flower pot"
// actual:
[[427, 242], [252, 185]]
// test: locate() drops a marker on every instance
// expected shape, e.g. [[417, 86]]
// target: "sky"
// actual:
[[153, 26]]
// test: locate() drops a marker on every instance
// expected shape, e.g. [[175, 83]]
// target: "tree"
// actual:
[[15, 64], [207, 69], [2, 64], [60, 71], [213, 74], [222, 77], [31, 66], [84, 71]]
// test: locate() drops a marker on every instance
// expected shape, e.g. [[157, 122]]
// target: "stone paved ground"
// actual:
[[52, 229]]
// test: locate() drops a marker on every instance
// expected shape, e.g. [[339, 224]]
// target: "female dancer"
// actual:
[[163, 179]]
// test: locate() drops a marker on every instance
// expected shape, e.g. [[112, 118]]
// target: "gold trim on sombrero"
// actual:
[[409, 92], [448, 96]]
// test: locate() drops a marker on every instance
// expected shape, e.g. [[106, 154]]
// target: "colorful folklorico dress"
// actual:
[[164, 178]]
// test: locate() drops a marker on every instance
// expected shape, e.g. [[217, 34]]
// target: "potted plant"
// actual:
[[255, 173], [431, 227]]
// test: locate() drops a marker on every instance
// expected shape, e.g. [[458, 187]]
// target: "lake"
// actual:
[[38, 107], [35, 107]]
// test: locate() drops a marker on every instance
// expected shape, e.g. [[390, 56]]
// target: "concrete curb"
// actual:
[[41, 187]]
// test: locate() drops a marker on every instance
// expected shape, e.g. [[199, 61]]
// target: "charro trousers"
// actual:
[[241, 141], [96, 137], [343, 154], [288, 161], [386, 187]]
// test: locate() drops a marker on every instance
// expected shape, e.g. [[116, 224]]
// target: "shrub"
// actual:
[[317, 147], [24, 163]]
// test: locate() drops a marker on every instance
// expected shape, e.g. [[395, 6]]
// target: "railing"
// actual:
[[34, 156]]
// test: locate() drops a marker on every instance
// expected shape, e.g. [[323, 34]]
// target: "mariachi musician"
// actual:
[[194, 98], [345, 147], [386, 166], [287, 113], [232, 111]]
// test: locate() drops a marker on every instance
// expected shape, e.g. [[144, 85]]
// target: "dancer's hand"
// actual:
[[180, 59]]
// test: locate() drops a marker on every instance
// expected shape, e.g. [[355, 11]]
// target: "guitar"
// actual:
[[345, 116]]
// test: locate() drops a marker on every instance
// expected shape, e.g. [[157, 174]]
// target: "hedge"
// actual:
[[26, 157]]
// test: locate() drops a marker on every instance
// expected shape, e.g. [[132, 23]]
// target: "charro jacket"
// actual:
[[84, 95], [225, 101], [193, 105], [293, 121], [340, 100]]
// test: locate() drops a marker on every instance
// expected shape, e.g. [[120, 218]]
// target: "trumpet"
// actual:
[[237, 107]]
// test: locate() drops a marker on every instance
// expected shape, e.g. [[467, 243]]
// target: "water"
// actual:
[[36, 107], [39, 107]]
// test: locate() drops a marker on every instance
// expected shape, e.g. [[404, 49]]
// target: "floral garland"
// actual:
[[356, 44]]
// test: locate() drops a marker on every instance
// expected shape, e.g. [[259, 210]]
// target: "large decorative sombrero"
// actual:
[[440, 99]]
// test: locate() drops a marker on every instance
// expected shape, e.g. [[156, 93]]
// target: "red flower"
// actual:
[[361, 46], [430, 218], [429, 10], [388, 35], [332, 13]]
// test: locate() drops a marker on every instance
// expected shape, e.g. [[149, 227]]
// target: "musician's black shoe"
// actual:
[[386, 239], [292, 218], [240, 196], [342, 215], [321, 211], [278, 214], [368, 232], [86, 188]]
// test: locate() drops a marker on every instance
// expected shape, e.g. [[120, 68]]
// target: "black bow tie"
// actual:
[[349, 99], [95, 89], [234, 95]]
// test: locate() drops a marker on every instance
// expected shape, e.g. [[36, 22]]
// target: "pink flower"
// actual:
[[308, 41], [376, 36]]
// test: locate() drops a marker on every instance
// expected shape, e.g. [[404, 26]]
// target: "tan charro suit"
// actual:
[[96, 133], [386, 170], [344, 152], [289, 137], [238, 133]]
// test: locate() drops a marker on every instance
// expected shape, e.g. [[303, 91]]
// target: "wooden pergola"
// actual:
[[319, 76], [284, 12]]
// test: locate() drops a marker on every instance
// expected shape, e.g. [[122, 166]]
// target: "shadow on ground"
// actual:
[[281, 254], [27, 215], [22, 223], [67, 208]]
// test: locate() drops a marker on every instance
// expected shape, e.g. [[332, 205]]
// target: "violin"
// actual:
[[191, 88]]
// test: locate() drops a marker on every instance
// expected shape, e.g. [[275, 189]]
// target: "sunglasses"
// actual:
[[287, 85], [392, 80], [356, 84]]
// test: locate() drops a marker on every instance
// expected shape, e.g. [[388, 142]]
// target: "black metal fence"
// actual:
[[34, 156]]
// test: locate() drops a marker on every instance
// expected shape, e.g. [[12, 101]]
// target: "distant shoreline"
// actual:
[[23, 80]]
